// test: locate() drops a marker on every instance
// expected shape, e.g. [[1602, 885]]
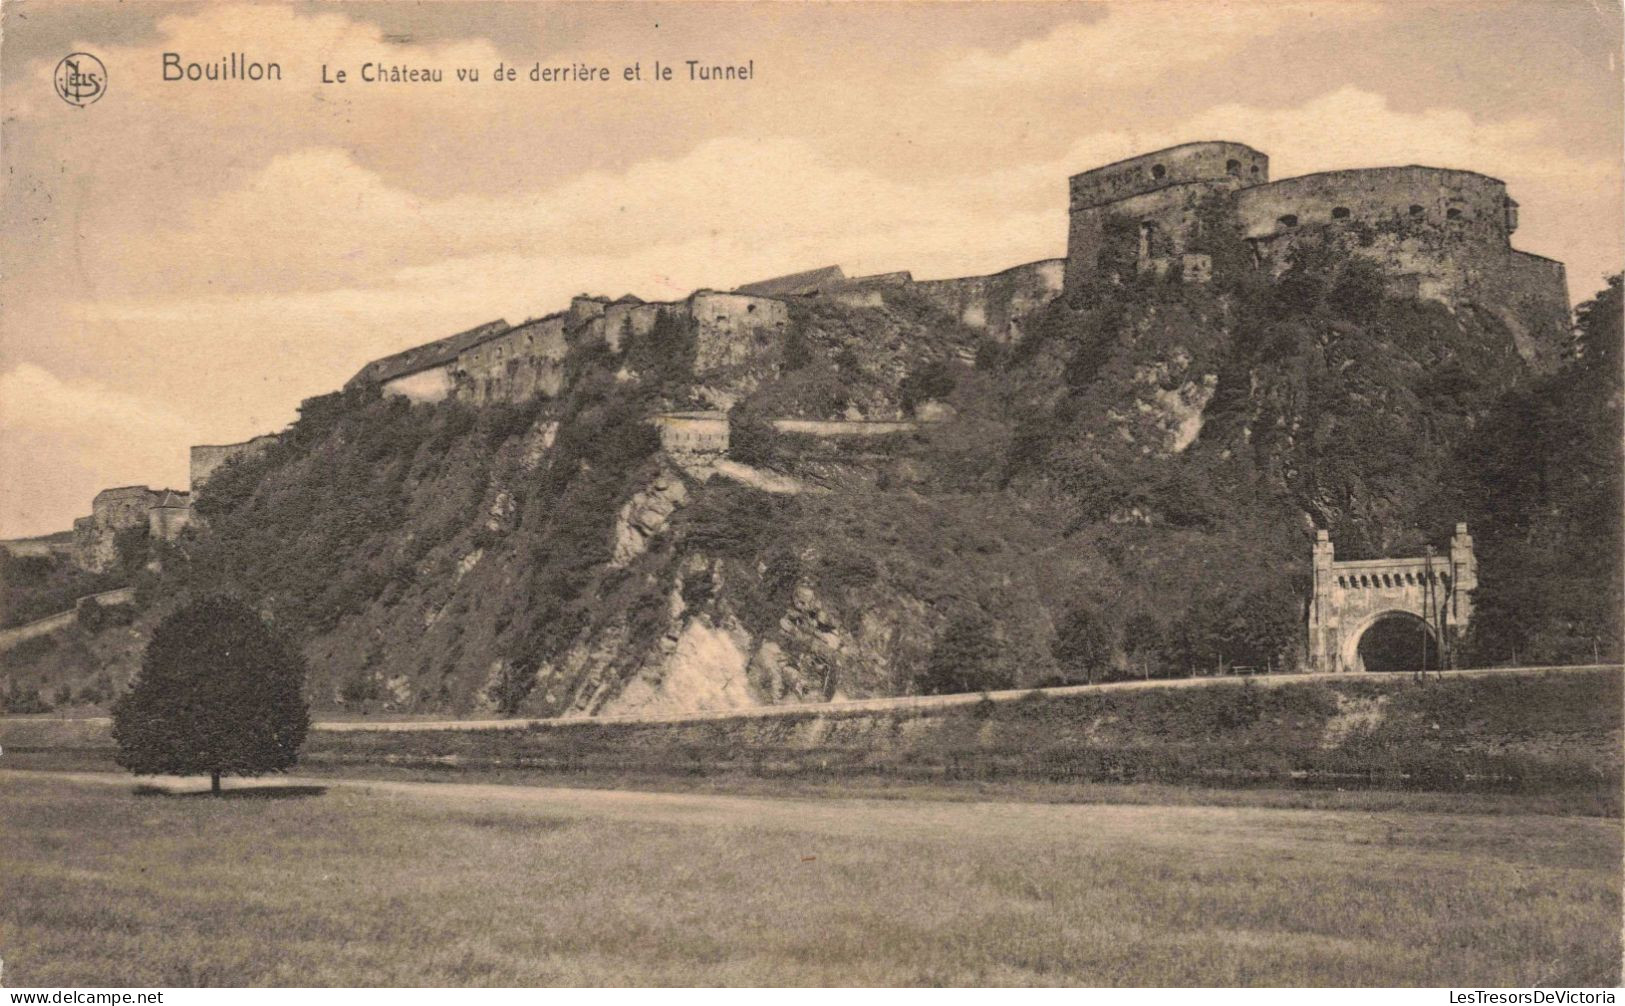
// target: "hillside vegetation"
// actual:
[[1130, 490]]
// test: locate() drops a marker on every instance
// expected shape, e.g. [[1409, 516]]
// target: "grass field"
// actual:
[[337, 882]]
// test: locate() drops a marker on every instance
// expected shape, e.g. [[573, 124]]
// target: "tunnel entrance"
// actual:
[[1398, 641], [1392, 614]]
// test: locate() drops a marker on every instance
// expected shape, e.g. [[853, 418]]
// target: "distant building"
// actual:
[[206, 459], [688, 433], [800, 284], [423, 373], [162, 513], [1434, 233]]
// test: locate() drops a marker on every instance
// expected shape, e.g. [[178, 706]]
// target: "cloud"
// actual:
[[315, 228], [314, 222], [65, 441], [1349, 127], [1137, 43], [32, 398]]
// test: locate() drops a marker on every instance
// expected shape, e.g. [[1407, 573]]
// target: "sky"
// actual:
[[184, 262]]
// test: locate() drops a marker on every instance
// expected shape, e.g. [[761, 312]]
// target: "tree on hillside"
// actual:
[[665, 355], [1083, 644], [1259, 627], [1542, 493], [218, 692], [934, 381], [1142, 641], [964, 659]]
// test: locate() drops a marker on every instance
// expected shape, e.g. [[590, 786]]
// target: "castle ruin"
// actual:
[[1189, 213], [1436, 234], [206, 459], [162, 513]]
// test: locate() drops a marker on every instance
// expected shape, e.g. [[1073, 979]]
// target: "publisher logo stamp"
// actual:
[[81, 79]]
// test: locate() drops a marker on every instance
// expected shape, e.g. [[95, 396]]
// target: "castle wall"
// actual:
[[1160, 189], [384, 368], [51, 545], [996, 304], [1458, 205], [430, 354], [729, 325], [511, 367], [1189, 162], [621, 314], [801, 284], [869, 291], [692, 432], [1534, 293], [204, 459], [584, 309], [844, 427], [860, 296], [431, 384], [88, 550], [112, 511], [1437, 234], [686, 434], [1432, 231], [123, 507], [899, 278], [165, 523], [1147, 231]]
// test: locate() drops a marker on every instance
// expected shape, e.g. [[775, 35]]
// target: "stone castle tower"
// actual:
[[1435, 233]]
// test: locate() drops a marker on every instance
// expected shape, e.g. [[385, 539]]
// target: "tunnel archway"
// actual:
[[1395, 641], [1415, 607]]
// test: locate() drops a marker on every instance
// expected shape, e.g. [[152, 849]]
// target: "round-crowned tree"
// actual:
[[1083, 644], [965, 659], [218, 692]]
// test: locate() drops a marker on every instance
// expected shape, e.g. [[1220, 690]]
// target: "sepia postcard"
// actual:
[[1121, 494]]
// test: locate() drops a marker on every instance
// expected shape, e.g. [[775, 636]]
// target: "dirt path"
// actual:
[[61, 619], [853, 705]]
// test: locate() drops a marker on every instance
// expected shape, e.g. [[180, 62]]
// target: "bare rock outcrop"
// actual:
[[645, 515]]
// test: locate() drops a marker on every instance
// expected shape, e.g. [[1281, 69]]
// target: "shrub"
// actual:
[[91, 616], [361, 687], [513, 684], [934, 381], [33, 587], [95, 693], [20, 698]]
